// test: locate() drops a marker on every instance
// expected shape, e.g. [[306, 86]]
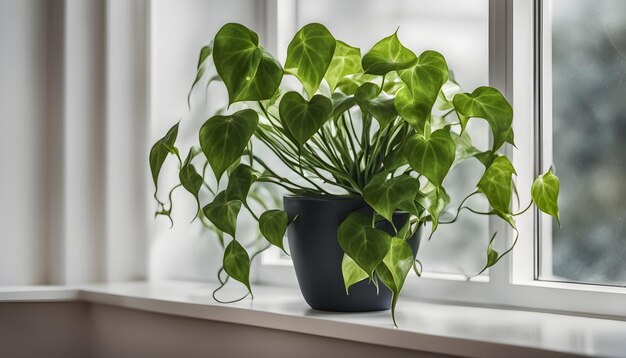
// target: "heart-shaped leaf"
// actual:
[[189, 177], [394, 269], [273, 225], [341, 103], [464, 147], [493, 256], [346, 61], [388, 55], [496, 184], [352, 273], [224, 138], [349, 84], [309, 55], [433, 156], [249, 72], [510, 137], [237, 263], [159, 152], [301, 118], [485, 158], [434, 200], [205, 62], [415, 101], [387, 195], [239, 182], [409, 111], [545, 193], [392, 83], [409, 228], [203, 58], [366, 245], [395, 158], [380, 107], [487, 103], [223, 213]]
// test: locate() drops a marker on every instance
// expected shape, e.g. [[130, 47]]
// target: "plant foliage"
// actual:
[[384, 126]]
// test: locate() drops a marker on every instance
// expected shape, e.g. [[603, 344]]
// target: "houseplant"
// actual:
[[381, 131]]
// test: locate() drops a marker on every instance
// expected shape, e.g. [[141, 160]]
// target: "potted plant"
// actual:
[[370, 138]]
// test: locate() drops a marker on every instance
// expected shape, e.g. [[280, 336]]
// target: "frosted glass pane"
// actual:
[[589, 127]]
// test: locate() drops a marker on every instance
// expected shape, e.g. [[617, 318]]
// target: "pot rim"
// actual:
[[323, 197]]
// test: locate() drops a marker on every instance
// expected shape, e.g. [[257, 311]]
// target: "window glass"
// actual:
[[588, 126]]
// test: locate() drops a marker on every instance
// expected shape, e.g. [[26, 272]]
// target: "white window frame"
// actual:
[[513, 282]]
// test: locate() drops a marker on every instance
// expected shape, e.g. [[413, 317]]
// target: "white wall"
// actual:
[[23, 146], [73, 138]]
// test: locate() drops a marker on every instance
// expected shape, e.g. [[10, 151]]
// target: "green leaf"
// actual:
[[388, 55], [203, 63], [392, 83], [239, 182], [434, 200], [415, 101], [237, 263], [496, 184], [301, 118], [352, 273], [223, 213], [380, 107], [189, 177], [395, 268], [273, 225], [407, 230], [545, 194], [493, 256], [489, 104], [349, 84], [366, 245], [249, 72], [486, 157], [464, 147], [394, 160], [159, 153], [510, 137], [224, 138], [309, 55], [346, 61], [432, 157], [387, 195], [395, 157], [448, 90], [341, 103]]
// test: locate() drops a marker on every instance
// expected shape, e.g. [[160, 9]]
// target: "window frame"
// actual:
[[517, 66]]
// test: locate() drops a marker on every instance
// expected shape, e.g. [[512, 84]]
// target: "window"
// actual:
[[512, 50], [459, 30], [584, 125]]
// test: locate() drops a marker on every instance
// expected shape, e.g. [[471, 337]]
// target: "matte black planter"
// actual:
[[317, 256]]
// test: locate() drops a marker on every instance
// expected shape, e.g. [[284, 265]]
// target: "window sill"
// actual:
[[425, 326]]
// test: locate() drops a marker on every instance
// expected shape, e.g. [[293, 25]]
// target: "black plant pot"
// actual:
[[317, 256]]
